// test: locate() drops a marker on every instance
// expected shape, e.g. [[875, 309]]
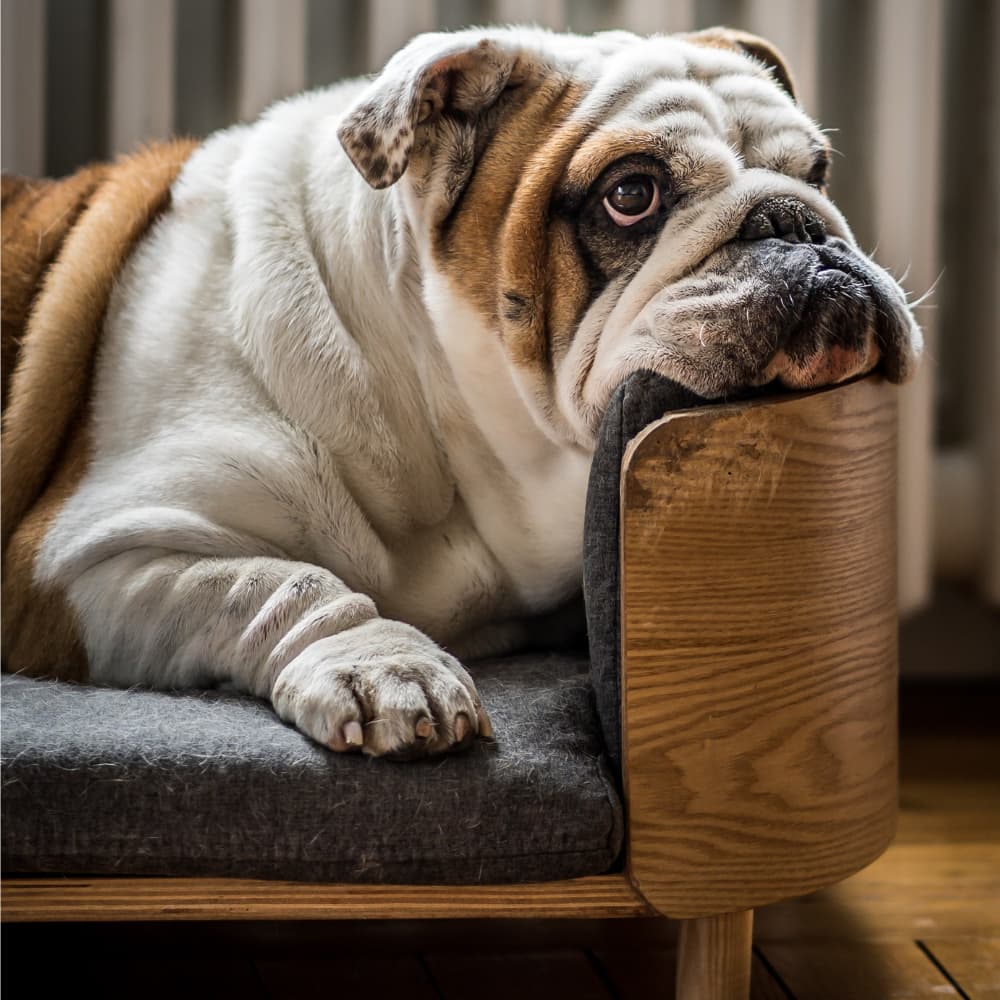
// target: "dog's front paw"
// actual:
[[382, 687]]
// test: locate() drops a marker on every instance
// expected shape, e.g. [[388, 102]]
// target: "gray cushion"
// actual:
[[212, 783]]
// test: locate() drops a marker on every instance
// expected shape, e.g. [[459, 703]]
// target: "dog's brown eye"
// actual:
[[632, 199], [820, 169]]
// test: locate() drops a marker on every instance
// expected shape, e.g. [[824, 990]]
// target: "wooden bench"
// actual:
[[758, 622]]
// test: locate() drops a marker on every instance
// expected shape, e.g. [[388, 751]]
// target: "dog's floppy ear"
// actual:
[[752, 45], [434, 74]]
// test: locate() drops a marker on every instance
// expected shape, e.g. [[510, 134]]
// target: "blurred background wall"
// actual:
[[908, 88]]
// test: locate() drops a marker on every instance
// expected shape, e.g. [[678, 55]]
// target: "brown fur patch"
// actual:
[[64, 244], [40, 635], [608, 146], [501, 246], [37, 214], [567, 290]]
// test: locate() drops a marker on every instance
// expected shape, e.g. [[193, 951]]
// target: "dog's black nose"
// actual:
[[785, 219]]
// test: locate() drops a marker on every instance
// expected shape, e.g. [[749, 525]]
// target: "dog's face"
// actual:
[[615, 203]]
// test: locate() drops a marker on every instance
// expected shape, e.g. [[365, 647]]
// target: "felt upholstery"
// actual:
[[212, 783]]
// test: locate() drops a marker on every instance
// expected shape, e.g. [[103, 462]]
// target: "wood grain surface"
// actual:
[[759, 648], [713, 960], [110, 898], [972, 963], [836, 970]]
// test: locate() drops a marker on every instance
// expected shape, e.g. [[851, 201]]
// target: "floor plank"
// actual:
[[972, 963], [173, 978], [517, 976], [111, 975], [950, 789], [642, 974], [376, 976], [201, 976], [763, 982], [638, 973], [863, 970], [913, 891]]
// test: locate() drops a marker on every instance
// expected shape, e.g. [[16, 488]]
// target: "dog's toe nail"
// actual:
[[485, 726], [354, 735], [462, 727], [425, 728]]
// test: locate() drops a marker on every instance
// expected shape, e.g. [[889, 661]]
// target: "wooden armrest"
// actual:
[[759, 647]]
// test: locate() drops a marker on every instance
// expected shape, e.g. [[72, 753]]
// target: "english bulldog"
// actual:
[[310, 409]]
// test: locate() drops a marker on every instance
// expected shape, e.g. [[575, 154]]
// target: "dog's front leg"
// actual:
[[287, 631]]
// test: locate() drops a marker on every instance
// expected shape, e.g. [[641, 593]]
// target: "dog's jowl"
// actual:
[[309, 408]]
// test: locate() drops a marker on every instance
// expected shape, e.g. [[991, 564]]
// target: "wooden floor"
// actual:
[[924, 921]]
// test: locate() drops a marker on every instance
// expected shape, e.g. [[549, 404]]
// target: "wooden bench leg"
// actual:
[[714, 959]]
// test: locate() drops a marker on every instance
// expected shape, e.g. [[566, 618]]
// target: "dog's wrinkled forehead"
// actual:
[[732, 88], [678, 98]]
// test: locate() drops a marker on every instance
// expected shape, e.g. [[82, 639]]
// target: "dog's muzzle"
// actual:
[[787, 298], [818, 291]]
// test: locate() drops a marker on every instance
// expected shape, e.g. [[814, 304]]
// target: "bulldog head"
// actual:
[[617, 203]]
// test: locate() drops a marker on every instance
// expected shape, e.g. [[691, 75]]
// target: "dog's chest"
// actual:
[[535, 529], [525, 493]]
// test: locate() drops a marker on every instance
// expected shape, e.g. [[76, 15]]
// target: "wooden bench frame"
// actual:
[[758, 583]]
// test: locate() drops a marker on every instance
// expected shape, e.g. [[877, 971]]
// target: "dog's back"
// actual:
[[64, 242]]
